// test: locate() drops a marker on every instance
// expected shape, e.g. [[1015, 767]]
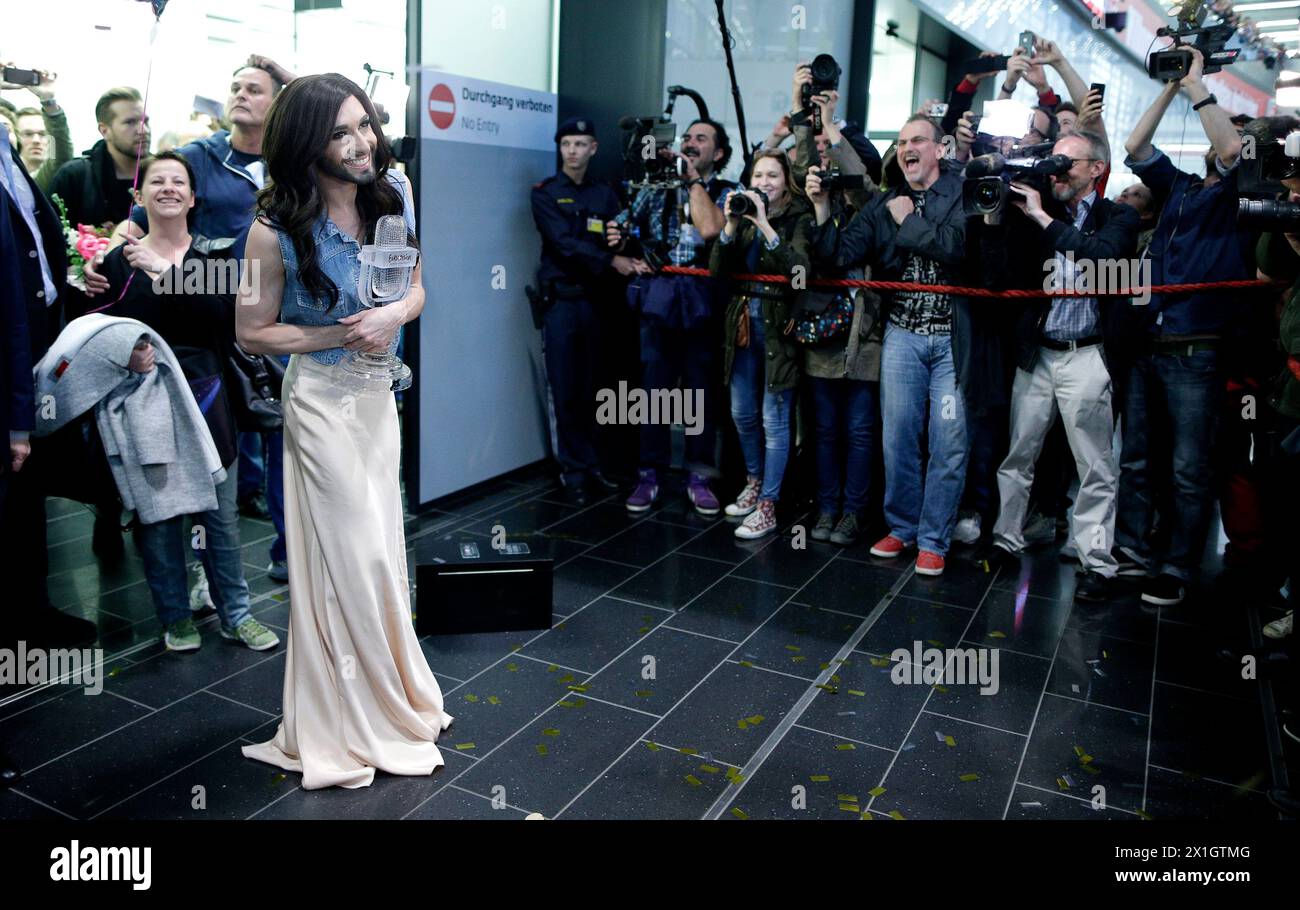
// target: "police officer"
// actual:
[[575, 274]]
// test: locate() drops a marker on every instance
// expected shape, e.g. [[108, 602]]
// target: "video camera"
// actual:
[[1174, 62], [647, 137], [988, 177], [1262, 175]]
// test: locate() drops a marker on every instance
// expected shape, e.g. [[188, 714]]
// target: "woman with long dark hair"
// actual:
[[358, 693], [762, 361]]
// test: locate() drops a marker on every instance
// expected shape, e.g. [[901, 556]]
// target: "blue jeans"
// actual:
[[165, 550], [1179, 396], [916, 372], [765, 436], [848, 412], [252, 464]]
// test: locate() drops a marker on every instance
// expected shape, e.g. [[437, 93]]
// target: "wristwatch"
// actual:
[[1204, 101]]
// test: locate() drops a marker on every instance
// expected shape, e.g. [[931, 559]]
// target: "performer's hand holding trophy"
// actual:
[[385, 277]]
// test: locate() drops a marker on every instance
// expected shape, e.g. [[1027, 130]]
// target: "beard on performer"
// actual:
[[351, 175]]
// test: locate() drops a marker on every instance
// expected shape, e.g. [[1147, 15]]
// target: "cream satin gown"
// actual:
[[358, 692]]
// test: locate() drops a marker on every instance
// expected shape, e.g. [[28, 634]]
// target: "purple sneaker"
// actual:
[[646, 492], [701, 496]]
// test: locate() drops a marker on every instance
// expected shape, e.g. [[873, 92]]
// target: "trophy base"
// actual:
[[381, 369]]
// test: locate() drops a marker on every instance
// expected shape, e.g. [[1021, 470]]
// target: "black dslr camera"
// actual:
[[740, 205], [825, 78], [986, 188], [1175, 62], [833, 180]]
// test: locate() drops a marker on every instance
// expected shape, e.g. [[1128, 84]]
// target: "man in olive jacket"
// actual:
[[917, 233]]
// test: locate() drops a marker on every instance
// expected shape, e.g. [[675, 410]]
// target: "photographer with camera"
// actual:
[[676, 222], [766, 232], [916, 232], [1062, 348], [576, 273], [1177, 374], [834, 150]]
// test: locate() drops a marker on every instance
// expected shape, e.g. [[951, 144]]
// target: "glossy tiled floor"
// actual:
[[687, 675]]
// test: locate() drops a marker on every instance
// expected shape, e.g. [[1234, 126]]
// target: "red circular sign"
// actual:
[[442, 106]]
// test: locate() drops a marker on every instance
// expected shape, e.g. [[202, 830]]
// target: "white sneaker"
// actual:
[[968, 529], [747, 501], [1281, 628], [200, 597]]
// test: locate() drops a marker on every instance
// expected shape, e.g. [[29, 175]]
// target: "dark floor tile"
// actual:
[[120, 764], [720, 542], [652, 782], [961, 584], [1119, 617], [233, 788], [260, 686], [524, 518], [91, 581], [731, 713], [14, 807], [850, 586], [907, 621], [61, 724], [672, 582], [595, 524], [390, 796], [493, 706], [812, 776], [799, 639], [167, 676], [1019, 681], [1183, 795], [454, 804], [865, 703], [462, 656], [1018, 621], [1031, 804], [1209, 735], [674, 506], [556, 756], [1190, 656], [950, 769], [1108, 671], [659, 672], [591, 638], [644, 543], [77, 525], [731, 609], [489, 496], [781, 564], [32, 693], [579, 582], [1067, 732], [1041, 574]]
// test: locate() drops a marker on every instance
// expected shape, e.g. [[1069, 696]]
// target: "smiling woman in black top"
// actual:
[[178, 284]]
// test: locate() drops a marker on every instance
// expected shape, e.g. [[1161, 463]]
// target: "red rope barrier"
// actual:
[[985, 292]]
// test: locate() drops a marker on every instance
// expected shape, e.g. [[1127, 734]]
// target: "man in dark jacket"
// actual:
[[96, 188], [916, 232], [1178, 375], [1059, 347], [17, 407], [38, 243]]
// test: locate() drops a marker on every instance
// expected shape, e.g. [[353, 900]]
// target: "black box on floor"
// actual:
[[463, 585]]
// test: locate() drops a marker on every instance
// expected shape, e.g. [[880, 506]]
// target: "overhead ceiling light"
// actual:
[[1256, 7], [1277, 23]]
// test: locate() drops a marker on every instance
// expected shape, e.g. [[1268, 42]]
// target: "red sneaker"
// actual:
[[928, 563], [888, 547]]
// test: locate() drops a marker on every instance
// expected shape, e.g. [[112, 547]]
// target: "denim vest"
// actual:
[[337, 254]]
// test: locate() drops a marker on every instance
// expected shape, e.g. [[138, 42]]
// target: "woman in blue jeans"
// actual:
[[762, 360], [198, 326]]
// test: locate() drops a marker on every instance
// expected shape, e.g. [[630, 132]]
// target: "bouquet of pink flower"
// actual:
[[84, 244]]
